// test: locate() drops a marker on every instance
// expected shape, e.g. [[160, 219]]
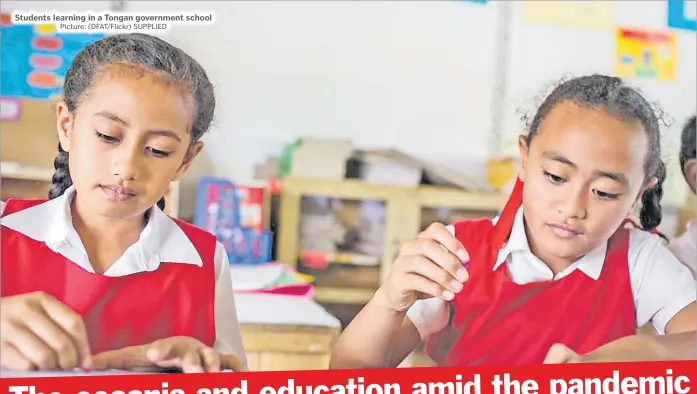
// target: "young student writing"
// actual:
[[685, 247], [558, 277], [98, 276]]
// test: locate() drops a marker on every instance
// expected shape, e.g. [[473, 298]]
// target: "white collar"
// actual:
[[590, 264], [162, 240]]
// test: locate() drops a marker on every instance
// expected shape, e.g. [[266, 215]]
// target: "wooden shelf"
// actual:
[[25, 173], [404, 209]]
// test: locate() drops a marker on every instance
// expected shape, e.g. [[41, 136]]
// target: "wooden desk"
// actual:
[[282, 333], [284, 347]]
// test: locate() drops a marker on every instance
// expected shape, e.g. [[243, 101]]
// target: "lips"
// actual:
[[117, 193], [563, 231]]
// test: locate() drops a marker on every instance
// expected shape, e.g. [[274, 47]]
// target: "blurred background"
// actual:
[[343, 128]]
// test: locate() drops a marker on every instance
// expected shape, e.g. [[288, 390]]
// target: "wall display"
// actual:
[[595, 14], [682, 14], [36, 58], [645, 54]]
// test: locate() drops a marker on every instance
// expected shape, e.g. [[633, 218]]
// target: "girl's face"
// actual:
[[583, 172], [128, 140]]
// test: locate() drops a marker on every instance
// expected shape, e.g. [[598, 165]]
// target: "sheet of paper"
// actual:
[[247, 278], [282, 309], [43, 374]]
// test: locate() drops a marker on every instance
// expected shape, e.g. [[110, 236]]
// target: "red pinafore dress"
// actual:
[[495, 321], [174, 300]]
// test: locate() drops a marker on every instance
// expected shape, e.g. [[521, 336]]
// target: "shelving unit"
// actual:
[[404, 210]]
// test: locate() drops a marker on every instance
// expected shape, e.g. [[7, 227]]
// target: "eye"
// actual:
[[158, 153], [605, 196], [106, 138], [553, 178]]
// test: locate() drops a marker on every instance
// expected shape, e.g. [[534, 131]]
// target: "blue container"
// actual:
[[218, 212]]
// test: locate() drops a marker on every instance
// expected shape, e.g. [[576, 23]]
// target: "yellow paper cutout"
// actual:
[[595, 14], [45, 29]]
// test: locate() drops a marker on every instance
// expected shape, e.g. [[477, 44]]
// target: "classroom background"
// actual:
[[344, 128]]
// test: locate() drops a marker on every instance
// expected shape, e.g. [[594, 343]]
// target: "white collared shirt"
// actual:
[[661, 285], [162, 240], [685, 247]]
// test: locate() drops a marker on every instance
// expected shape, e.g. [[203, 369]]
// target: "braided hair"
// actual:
[[613, 96], [148, 54]]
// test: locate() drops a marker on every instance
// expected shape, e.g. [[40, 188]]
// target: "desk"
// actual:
[[282, 333]]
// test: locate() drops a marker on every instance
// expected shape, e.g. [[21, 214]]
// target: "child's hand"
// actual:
[[561, 354], [431, 265], [37, 332], [184, 353]]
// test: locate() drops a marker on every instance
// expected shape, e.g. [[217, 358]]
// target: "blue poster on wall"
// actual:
[[35, 59], [678, 15]]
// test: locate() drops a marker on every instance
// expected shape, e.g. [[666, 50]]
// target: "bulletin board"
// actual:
[[36, 58], [543, 52], [33, 63]]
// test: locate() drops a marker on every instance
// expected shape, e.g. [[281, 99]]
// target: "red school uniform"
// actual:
[[495, 321], [173, 300]]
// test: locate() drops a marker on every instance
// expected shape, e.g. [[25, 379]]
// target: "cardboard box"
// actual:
[[319, 158]]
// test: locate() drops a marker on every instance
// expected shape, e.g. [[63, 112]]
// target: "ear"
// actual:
[[523, 149], [691, 174], [194, 150], [64, 125]]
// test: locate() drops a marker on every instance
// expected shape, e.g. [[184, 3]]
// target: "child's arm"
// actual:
[[227, 329], [685, 248], [378, 337], [381, 335]]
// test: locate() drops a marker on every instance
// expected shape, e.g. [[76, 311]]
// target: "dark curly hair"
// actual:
[[688, 143], [139, 52], [613, 96]]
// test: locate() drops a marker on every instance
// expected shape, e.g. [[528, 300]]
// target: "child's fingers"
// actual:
[[73, 325], [421, 265], [30, 346], [230, 361], [166, 353], [426, 286], [125, 358], [52, 335], [13, 359], [439, 233], [437, 254], [560, 354], [191, 361], [210, 360]]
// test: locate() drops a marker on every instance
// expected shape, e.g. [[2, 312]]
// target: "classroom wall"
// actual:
[[420, 76], [543, 53]]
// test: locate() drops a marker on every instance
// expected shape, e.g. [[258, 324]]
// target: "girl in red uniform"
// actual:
[[98, 276], [560, 276]]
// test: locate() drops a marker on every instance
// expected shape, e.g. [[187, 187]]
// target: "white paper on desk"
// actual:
[[282, 309], [249, 278], [45, 374]]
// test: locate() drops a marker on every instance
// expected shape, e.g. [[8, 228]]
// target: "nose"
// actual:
[[574, 204], [126, 163]]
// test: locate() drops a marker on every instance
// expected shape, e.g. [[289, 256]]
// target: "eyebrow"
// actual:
[[615, 176], [114, 118]]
